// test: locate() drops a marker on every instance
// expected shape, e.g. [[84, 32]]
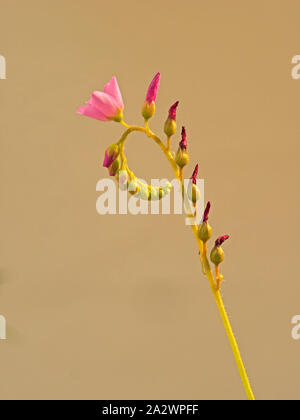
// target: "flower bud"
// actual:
[[122, 178], [148, 109], [182, 156], [193, 191], [114, 167], [143, 191], [170, 124], [205, 230], [111, 153], [133, 186], [217, 254], [194, 175]]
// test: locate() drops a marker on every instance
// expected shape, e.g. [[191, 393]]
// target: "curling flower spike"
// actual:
[[148, 109], [105, 106], [108, 105]]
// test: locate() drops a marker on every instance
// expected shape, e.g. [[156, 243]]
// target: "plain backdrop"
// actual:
[[116, 307]]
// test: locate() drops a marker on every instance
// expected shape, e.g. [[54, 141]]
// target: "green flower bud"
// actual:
[[114, 167], [170, 127], [204, 232], [217, 255], [193, 193], [143, 192], [170, 124], [182, 157], [133, 186], [148, 110], [153, 193], [111, 153]]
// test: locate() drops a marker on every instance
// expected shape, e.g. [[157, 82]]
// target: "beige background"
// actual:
[[116, 306]]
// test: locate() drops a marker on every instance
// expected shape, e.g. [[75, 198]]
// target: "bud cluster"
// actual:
[[217, 254]]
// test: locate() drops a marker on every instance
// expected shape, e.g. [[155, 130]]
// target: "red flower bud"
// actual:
[[221, 239], [183, 143], [195, 173], [206, 212], [172, 111]]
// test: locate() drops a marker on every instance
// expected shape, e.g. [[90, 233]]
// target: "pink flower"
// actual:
[[152, 89], [105, 106]]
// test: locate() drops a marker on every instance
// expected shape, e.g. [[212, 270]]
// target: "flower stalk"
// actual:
[[109, 106]]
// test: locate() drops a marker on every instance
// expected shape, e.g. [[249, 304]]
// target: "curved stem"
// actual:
[[149, 133], [203, 258]]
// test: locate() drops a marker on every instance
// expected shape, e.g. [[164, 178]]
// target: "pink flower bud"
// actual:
[[111, 154], [170, 124], [152, 89]]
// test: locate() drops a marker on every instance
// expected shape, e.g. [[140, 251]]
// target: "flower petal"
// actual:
[[112, 89], [108, 160], [91, 111], [104, 103]]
